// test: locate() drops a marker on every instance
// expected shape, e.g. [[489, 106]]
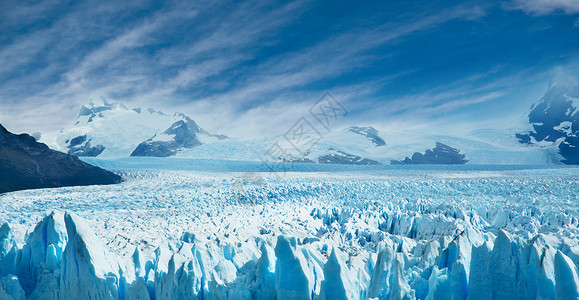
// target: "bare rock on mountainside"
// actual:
[[369, 132], [343, 158], [440, 154], [555, 121], [27, 164], [181, 135]]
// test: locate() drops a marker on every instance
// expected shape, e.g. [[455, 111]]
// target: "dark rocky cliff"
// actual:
[[27, 164], [440, 154]]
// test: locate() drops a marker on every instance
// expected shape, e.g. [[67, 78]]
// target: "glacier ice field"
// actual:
[[191, 230]]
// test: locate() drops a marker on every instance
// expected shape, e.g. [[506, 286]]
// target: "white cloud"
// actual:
[[272, 118], [544, 7], [330, 58], [114, 65], [445, 106], [264, 101]]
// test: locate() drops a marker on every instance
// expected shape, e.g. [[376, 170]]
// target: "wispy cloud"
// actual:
[[146, 60], [544, 7], [230, 61], [443, 107], [330, 58], [135, 64]]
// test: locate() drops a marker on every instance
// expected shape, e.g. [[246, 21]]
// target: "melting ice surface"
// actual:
[[468, 232]]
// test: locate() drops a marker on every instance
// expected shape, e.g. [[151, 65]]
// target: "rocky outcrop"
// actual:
[[79, 146], [440, 154], [343, 158], [555, 121], [27, 164], [370, 133], [182, 134]]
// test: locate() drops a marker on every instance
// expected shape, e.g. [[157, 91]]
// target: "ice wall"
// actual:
[[63, 259]]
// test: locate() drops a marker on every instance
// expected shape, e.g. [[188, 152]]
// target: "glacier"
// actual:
[[461, 232]]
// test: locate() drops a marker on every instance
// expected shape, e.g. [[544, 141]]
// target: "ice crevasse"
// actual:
[[63, 259]]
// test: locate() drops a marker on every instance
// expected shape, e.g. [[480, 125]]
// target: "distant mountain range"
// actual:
[[108, 129], [27, 164]]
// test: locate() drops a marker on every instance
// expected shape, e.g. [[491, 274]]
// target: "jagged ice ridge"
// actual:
[[411, 234]]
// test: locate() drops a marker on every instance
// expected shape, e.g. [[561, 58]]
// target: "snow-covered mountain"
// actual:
[[352, 145], [481, 146], [555, 121], [109, 129]]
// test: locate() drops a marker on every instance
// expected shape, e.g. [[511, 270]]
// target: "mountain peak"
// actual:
[[94, 107], [555, 121], [158, 112], [98, 105], [109, 128], [99, 102], [369, 132]]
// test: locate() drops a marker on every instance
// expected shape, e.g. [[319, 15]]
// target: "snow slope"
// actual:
[[118, 129], [346, 141], [482, 146], [470, 232]]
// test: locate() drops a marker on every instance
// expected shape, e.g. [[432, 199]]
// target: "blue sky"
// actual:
[[252, 68]]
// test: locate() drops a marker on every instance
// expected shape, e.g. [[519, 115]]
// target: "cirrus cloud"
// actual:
[[544, 7]]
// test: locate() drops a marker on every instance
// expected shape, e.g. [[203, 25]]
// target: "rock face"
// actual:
[[369, 132], [27, 164], [182, 134], [343, 158], [79, 146], [440, 154], [556, 122]]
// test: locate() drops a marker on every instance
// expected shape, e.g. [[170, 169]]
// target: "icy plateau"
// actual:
[[392, 233]]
